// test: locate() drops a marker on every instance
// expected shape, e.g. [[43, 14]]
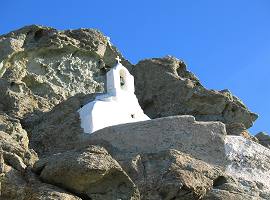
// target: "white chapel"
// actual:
[[118, 106]]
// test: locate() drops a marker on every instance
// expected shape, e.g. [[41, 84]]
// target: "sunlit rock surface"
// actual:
[[47, 75], [41, 66], [165, 87]]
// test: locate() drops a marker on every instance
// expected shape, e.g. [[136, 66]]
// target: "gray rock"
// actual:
[[14, 154], [46, 75], [239, 157], [240, 130], [12, 126], [129, 143], [264, 139], [215, 194], [174, 175], [40, 67], [2, 162], [90, 172], [249, 163], [171, 174], [202, 140], [16, 185], [58, 130], [14, 143], [165, 88]]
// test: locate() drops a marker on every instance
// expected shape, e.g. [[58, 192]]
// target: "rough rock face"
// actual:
[[240, 130], [174, 175], [246, 161], [88, 172], [22, 186], [52, 133], [13, 127], [152, 148], [171, 174], [178, 132], [14, 143], [41, 67], [164, 88], [249, 163], [46, 75], [264, 139]]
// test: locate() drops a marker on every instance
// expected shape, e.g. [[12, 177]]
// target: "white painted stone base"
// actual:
[[110, 111]]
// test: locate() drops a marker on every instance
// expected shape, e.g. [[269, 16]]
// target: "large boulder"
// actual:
[[13, 127], [90, 172], [164, 88], [243, 159], [58, 130], [171, 174], [16, 185], [202, 140], [40, 67], [14, 143]]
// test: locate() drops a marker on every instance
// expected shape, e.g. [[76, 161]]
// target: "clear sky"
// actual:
[[225, 43]]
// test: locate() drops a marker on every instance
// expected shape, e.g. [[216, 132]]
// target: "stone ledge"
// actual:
[[203, 140]]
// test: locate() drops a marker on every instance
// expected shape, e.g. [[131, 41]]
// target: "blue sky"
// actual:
[[225, 43]]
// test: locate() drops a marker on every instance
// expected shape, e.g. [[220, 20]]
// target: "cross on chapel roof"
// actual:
[[118, 59]]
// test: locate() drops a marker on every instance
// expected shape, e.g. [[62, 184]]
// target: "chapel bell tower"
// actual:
[[119, 80]]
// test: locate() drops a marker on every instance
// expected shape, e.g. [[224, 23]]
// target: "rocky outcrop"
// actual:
[[249, 161], [243, 165], [12, 126], [164, 88], [14, 143], [182, 133], [40, 67], [51, 132], [264, 139], [89, 172], [46, 75], [16, 185], [240, 130], [171, 174], [148, 149], [174, 175]]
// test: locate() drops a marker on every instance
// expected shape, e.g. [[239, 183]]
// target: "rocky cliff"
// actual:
[[196, 146]]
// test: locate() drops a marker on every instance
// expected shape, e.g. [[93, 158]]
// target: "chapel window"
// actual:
[[122, 81], [123, 84]]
